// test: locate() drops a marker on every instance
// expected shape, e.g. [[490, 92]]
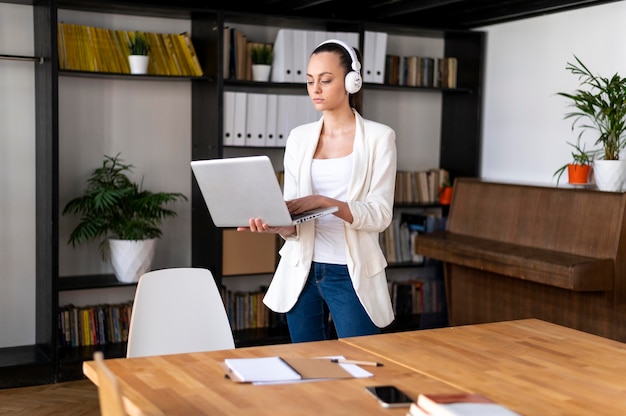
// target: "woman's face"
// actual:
[[325, 81]]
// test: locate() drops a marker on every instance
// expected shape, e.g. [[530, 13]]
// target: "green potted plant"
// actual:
[[115, 209], [138, 49], [600, 105], [579, 168], [261, 55]]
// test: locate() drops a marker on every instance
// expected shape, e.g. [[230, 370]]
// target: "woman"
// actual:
[[335, 263]]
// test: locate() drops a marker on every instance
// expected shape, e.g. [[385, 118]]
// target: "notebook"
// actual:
[[239, 188]]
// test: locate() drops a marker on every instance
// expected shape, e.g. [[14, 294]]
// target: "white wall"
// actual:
[[17, 178], [524, 133]]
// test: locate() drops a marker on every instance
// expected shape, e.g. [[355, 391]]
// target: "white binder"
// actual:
[[286, 117], [240, 118], [271, 119], [369, 56], [228, 136], [375, 50], [300, 55], [282, 70], [379, 61], [255, 119]]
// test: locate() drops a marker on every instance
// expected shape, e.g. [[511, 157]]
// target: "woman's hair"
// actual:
[[356, 100]]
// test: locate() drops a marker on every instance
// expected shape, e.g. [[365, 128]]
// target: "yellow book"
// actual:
[[183, 54], [103, 58], [121, 39], [89, 49], [174, 63], [61, 36], [79, 62], [114, 53], [85, 326], [194, 57], [158, 56], [105, 51]]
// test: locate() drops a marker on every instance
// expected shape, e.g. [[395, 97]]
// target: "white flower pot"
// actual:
[[610, 175], [261, 72], [131, 258], [138, 64]]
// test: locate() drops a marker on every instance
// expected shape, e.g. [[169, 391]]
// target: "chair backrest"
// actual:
[[178, 310], [109, 393]]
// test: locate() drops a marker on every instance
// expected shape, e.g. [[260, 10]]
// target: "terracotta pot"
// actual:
[[578, 174], [445, 195]]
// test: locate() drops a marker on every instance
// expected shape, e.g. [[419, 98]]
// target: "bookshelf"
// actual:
[[453, 144]]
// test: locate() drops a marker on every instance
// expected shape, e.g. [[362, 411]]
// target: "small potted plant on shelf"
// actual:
[[579, 168], [600, 105], [138, 48], [124, 216], [262, 55], [445, 193]]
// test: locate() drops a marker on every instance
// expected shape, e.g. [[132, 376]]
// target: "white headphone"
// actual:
[[353, 80]]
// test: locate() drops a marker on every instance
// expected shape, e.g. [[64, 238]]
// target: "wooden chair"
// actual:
[[178, 310], [109, 392]]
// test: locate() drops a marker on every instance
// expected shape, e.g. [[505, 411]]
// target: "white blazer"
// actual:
[[370, 198]]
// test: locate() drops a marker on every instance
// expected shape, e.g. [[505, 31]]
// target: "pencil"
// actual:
[[357, 362]]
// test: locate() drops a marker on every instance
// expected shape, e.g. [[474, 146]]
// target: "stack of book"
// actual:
[[94, 49], [398, 240], [461, 404], [246, 310], [420, 187], [416, 296], [421, 71], [94, 325]]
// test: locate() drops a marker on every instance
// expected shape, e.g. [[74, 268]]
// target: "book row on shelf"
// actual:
[[419, 71], [246, 310], [94, 325], [109, 323], [398, 240], [420, 187], [291, 49], [417, 296], [95, 49], [263, 120]]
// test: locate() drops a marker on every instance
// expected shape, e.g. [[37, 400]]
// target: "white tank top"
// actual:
[[330, 177]]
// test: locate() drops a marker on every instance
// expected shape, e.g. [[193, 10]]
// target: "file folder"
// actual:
[[256, 112], [272, 117], [282, 70], [240, 119], [228, 138]]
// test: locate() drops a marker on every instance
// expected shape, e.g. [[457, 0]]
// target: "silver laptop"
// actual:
[[239, 188]]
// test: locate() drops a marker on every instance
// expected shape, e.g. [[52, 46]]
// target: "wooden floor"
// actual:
[[74, 398]]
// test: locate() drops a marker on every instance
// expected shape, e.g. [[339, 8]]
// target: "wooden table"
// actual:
[[194, 384], [531, 366]]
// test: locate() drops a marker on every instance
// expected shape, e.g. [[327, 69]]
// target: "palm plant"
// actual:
[[114, 206], [601, 108]]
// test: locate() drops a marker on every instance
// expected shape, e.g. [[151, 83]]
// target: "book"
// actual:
[[279, 369], [461, 404]]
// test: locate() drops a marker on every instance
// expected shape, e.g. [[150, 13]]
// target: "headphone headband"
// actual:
[[356, 65]]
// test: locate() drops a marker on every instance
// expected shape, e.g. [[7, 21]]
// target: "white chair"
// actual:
[[109, 392], [178, 310]]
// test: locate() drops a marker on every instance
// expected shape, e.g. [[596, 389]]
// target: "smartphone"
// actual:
[[390, 396]]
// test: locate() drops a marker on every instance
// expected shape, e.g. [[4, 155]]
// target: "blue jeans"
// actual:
[[328, 289]]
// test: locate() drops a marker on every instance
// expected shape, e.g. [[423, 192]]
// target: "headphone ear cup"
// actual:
[[353, 82]]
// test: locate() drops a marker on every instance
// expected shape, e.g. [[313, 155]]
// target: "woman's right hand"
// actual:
[[257, 225]]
